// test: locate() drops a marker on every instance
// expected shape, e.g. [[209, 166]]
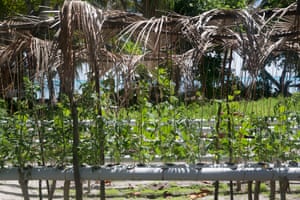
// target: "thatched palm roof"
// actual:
[[82, 31]]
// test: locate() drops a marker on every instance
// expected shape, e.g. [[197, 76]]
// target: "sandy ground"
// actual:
[[10, 190]]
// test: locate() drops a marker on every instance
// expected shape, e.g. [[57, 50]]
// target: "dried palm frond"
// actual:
[[288, 27], [14, 49], [199, 33], [32, 47], [107, 61], [26, 54], [155, 39], [81, 16], [40, 50], [185, 62], [128, 66], [142, 29], [255, 43]]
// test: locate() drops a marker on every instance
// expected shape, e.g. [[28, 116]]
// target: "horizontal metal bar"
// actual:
[[159, 172]]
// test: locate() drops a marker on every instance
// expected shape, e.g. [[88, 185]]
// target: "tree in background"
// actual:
[[27, 7], [288, 64], [195, 7], [276, 3], [149, 8]]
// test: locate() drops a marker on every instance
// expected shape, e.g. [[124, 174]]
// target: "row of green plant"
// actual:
[[41, 134]]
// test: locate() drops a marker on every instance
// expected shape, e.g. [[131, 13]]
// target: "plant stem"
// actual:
[[284, 183], [249, 190], [52, 189], [216, 195], [23, 183], [100, 130], [256, 190], [67, 189], [272, 189], [76, 162]]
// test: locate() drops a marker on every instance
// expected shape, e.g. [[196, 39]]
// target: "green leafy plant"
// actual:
[[286, 115]]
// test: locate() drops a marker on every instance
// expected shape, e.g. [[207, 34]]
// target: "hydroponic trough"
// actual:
[[180, 172]]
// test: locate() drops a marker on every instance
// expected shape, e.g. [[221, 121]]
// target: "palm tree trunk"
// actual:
[[67, 83], [149, 7]]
